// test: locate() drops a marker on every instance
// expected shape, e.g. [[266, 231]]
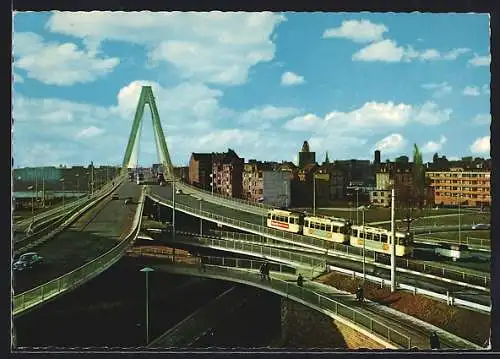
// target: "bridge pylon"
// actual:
[[147, 97]]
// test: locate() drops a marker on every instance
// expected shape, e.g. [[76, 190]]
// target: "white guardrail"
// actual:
[[237, 203], [465, 278], [316, 266], [448, 298], [48, 232], [54, 212], [68, 281], [236, 270], [471, 242]]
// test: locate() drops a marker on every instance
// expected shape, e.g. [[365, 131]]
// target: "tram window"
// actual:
[[292, 220], [384, 238], [376, 237], [355, 232], [269, 215], [369, 236], [273, 217], [323, 227], [328, 227], [361, 235], [306, 223]]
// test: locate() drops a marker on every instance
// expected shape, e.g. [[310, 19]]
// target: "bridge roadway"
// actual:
[[369, 317], [253, 246], [256, 220], [91, 235]]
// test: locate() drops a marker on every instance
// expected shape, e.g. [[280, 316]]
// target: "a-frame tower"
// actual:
[[147, 97]]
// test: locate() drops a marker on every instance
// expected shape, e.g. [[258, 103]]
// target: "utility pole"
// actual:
[[459, 221], [314, 194], [364, 241], [43, 188], [92, 178], [393, 243], [173, 216]]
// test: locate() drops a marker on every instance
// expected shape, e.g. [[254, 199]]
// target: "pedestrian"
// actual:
[[268, 269], [263, 271], [359, 294], [300, 280], [434, 341]]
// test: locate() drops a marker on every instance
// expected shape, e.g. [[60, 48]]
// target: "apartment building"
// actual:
[[458, 185], [228, 174], [200, 168]]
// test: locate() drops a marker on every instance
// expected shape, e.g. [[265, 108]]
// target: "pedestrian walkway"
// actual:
[[404, 330]]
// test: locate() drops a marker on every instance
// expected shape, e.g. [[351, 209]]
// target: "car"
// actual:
[[179, 191], [115, 196], [27, 260], [480, 226]]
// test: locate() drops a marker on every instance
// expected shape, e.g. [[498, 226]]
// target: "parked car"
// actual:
[[480, 226], [179, 191], [27, 260], [115, 196]]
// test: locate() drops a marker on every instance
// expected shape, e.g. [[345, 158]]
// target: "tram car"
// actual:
[[285, 220], [453, 251], [328, 228], [378, 240]]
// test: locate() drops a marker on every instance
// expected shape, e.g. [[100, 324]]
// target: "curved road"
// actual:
[[91, 235]]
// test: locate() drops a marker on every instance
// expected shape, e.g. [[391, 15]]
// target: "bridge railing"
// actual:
[[334, 248], [38, 295], [221, 266], [59, 223], [314, 265], [483, 243], [54, 212], [225, 198]]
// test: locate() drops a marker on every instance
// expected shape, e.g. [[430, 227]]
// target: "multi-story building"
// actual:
[[356, 172], [457, 185], [276, 188], [200, 168], [306, 157], [228, 174], [332, 187]]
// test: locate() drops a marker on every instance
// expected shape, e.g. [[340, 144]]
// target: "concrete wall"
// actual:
[[303, 327], [277, 189]]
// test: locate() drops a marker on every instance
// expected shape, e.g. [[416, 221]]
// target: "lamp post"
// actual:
[[173, 216], [459, 220], [357, 205], [201, 219], [212, 182], [63, 194], [393, 242], [314, 195], [147, 270], [364, 241], [43, 188], [77, 183], [31, 188]]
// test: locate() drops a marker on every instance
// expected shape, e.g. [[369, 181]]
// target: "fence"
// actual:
[[482, 243], [333, 308], [334, 248], [313, 264], [66, 282], [55, 225]]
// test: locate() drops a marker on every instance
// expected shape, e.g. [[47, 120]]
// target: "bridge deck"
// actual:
[[91, 235]]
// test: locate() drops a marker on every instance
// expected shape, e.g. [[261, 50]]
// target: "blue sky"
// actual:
[[260, 83]]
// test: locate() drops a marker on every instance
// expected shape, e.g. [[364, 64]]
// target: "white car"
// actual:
[[480, 226]]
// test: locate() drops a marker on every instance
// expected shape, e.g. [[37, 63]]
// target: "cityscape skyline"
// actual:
[[346, 83]]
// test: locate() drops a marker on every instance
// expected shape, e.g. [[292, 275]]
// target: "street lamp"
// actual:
[[357, 205], [147, 270], [31, 188], [212, 182], [314, 195], [77, 184], [364, 241], [63, 194], [201, 219], [459, 219]]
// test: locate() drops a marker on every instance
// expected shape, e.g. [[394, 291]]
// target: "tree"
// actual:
[[418, 177]]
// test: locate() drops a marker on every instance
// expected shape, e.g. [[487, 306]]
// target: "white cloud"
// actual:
[[453, 54], [440, 89], [480, 60], [267, 113], [91, 131], [481, 145], [482, 119], [471, 91], [430, 114], [388, 50], [433, 147], [357, 30], [372, 117], [393, 143], [290, 79], [215, 47], [385, 50], [308, 122], [58, 64]]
